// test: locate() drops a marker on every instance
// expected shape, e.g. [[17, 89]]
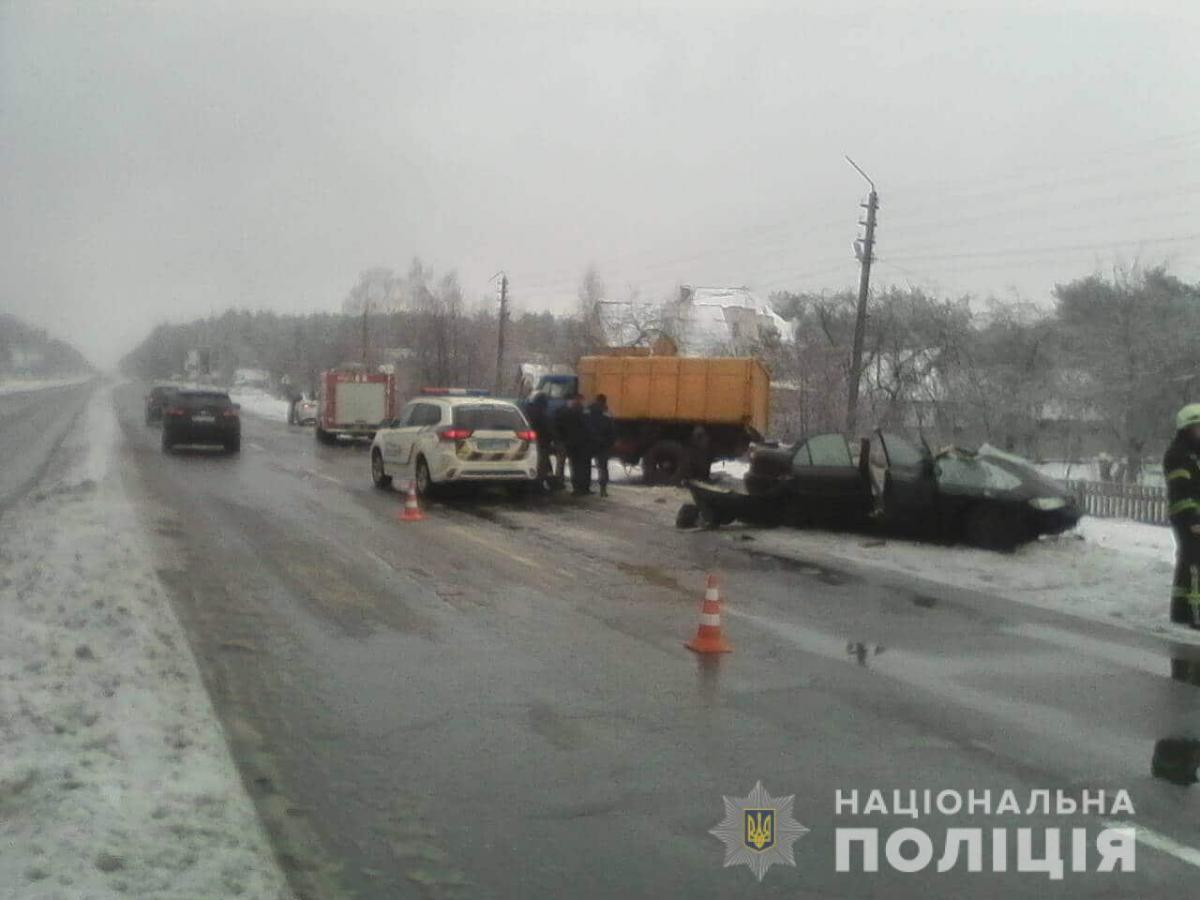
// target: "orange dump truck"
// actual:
[[674, 414]]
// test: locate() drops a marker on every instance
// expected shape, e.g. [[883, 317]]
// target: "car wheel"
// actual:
[[663, 463], [688, 516], [994, 529], [710, 519], [423, 481], [382, 481]]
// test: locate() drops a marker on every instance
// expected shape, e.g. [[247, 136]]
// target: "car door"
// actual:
[[392, 439], [830, 489], [910, 495], [416, 435]]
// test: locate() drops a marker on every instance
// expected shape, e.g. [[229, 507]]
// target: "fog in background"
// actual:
[[167, 160]]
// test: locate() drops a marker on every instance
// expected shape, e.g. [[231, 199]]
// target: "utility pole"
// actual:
[[865, 251], [500, 338], [366, 307]]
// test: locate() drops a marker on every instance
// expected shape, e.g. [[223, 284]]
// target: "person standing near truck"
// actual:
[[570, 425], [1181, 466], [539, 421], [603, 432]]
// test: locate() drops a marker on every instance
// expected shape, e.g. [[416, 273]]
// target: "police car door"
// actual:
[[393, 438], [424, 417]]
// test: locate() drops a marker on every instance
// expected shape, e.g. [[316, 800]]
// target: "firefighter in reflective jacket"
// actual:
[[1181, 466]]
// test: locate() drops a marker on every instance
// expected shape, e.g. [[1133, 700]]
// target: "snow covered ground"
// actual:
[[20, 385], [115, 779], [1114, 570], [258, 402]]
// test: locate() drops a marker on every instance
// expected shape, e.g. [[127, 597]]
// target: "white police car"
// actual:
[[455, 436]]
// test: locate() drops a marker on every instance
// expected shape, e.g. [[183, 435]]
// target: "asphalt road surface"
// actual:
[[497, 702], [32, 424]]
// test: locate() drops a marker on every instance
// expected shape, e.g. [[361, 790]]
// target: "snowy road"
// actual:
[[32, 424], [496, 702]]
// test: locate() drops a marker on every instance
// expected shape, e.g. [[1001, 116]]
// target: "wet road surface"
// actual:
[[496, 702]]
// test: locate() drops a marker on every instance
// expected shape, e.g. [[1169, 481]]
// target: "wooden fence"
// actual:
[[1109, 500]]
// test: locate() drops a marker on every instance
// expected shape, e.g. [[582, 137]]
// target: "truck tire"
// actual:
[[234, 445], [994, 529], [168, 445], [325, 437], [664, 463], [688, 516], [382, 481]]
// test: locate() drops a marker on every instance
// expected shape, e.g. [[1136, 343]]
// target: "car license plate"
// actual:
[[492, 444], [204, 418]]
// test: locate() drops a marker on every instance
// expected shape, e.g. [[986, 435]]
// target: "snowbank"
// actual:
[[115, 780], [258, 402], [20, 385]]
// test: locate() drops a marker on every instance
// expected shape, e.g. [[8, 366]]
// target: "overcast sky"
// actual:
[[167, 160]]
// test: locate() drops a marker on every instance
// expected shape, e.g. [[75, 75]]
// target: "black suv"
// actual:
[[157, 400], [196, 416]]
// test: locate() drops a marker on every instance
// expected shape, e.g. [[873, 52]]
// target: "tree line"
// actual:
[[1103, 368], [26, 351]]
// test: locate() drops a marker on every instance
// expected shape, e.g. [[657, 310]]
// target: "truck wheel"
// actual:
[[234, 445], [167, 444], [688, 516], [325, 437], [663, 463], [994, 529], [382, 481]]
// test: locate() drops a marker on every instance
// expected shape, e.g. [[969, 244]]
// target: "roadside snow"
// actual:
[[258, 402], [1113, 570], [115, 780], [20, 385]]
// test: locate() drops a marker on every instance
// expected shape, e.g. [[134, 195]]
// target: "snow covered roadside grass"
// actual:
[[21, 385], [115, 779], [1112, 570], [258, 402]]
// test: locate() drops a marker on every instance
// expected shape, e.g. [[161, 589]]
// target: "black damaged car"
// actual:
[[984, 497]]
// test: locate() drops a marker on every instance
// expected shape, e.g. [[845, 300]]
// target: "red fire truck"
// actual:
[[354, 403]]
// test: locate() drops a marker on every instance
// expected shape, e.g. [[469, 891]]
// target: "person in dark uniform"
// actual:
[[604, 434], [570, 426], [1181, 467], [539, 421]]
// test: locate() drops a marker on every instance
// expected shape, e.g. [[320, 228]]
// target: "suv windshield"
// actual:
[[489, 418]]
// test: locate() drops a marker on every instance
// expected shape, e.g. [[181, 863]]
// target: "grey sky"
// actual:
[[166, 160]]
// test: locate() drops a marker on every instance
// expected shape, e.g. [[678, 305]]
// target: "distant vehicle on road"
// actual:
[[986, 497], [157, 400], [354, 403], [306, 412], [196, 416], [453, 436]]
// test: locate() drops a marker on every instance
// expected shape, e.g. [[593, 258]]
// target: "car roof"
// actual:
[[463, 401], [203, 392]]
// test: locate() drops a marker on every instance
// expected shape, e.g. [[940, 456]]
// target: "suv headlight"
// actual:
[[1047, 503]]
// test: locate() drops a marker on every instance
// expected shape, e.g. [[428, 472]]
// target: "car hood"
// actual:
[[1030, 483]]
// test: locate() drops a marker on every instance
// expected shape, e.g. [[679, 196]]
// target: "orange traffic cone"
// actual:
[[709, 638], [412, 507]]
